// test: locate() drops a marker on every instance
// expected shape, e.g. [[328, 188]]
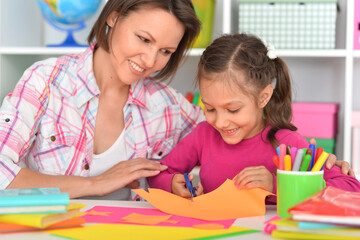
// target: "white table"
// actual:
[[251, 222]]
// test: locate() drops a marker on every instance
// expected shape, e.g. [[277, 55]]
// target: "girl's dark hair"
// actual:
[[246, 53], [183, 10]]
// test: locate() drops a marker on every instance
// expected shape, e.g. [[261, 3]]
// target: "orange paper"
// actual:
[[209, 226], [145, 219], [225, 202]]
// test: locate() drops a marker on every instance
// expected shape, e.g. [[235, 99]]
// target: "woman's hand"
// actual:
[[178, 186], [331, 161], [345, 166], [252, 177], [125, 174]]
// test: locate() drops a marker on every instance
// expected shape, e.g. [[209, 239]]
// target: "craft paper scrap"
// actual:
[[116, 214], [122, 231], [209, 226], [144, 219], [225, 202], [12, 227]]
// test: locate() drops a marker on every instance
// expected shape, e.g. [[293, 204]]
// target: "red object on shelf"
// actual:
[[189, 96]]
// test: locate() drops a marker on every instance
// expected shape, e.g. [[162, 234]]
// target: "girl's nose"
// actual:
[[221, 121]]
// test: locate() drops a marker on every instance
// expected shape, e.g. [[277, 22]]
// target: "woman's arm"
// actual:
[[115, 178]]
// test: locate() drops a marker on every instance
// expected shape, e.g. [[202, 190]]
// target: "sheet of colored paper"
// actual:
[[120, 231], [115, 214], [144, 219], [225, 202]]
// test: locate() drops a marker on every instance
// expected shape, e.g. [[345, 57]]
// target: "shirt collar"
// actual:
[[146, 93], [86, 86]]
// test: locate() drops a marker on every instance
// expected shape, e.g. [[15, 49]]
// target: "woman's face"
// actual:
[[142, 42]]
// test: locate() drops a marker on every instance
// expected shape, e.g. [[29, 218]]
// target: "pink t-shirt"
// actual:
[[220, 161]]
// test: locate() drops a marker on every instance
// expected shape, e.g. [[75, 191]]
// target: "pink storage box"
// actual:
[[355, 164], [357, 25], [318, 120]]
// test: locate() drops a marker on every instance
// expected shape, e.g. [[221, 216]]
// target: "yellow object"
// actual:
[[230, 202], [200, 103], [287, 162], [320, 162], [299, 235], [205, 12], [124, 231], [42, 220]]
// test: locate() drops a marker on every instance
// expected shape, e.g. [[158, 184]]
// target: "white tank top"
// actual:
[[104, 161]]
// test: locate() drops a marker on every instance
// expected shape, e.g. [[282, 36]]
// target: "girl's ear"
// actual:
[[265, 95], [111, 20]]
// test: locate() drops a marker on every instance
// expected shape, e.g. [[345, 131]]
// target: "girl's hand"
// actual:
[[178, 186], [252, 177]]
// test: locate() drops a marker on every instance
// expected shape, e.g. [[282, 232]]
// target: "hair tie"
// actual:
[[271, 52]]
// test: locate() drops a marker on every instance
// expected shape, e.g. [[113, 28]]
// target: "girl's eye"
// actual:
[[143, 39], [210, 110], [233, 111]]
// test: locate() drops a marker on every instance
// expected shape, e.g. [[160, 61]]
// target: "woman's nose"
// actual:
[[149, 58]]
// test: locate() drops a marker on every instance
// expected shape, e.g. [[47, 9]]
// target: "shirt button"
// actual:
[[53, 138], [86, 167], [7, 120], [160, 153]]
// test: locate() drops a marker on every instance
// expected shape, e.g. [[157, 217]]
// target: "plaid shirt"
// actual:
[[47, 122]]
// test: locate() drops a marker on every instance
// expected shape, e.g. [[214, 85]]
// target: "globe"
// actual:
[[68, 15]]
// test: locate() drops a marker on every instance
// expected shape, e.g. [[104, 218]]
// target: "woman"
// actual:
[[72, 122]]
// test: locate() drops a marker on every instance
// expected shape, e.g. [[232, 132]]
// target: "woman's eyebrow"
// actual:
[[153, 39]]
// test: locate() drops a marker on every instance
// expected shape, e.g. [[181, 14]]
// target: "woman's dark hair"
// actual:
[[183, 10], [246, 53]]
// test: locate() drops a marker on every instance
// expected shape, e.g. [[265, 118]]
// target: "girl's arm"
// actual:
[[182, 159]]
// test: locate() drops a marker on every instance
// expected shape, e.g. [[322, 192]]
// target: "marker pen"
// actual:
[[312, 147], [287, 162], [282, 153], [320, 162], [298, 159], [305, 163]]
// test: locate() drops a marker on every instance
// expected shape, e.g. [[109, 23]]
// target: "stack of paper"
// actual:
[[332, 213], [36, 207]]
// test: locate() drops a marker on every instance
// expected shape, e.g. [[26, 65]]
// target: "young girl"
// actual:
[[246, 91]]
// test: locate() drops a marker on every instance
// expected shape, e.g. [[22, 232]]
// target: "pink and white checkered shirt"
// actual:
[[47, 122]]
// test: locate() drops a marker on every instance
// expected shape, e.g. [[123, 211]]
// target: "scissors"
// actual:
[[190, 186]]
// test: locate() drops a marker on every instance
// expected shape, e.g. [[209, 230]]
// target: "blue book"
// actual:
[[33, 197]]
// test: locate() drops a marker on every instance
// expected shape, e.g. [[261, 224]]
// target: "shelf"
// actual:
[[193, 52], [60, 50], [312, 53], [356, 54]]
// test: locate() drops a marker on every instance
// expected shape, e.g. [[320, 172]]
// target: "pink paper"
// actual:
[[117, 213]]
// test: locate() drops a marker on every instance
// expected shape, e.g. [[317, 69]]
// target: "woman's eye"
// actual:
[[166, 52], [144, 39]]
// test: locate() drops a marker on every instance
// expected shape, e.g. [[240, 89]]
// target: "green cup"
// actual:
[[294, 187]]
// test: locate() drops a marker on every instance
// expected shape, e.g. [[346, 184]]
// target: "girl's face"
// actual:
[[234, 114], [142, 42]]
